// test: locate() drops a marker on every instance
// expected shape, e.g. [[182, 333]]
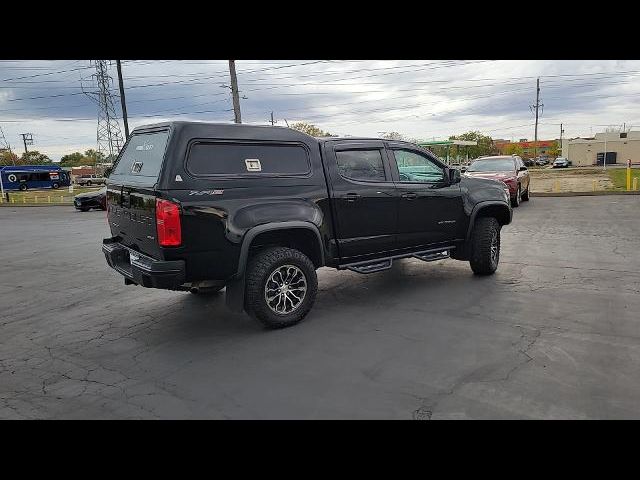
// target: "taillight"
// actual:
[[168, 223]]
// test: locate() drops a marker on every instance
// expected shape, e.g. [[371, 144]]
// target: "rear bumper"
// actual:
[[141, 269]]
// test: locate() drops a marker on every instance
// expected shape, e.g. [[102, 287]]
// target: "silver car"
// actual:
[[560, 162], [89, 180]]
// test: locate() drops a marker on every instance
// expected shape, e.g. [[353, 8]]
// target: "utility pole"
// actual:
[[122, 101], [27, 139], [234, 91], [561, 132], [536, 107], [272, 120]]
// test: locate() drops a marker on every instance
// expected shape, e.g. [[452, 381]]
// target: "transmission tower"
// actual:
[[109, 136], [4, 145]]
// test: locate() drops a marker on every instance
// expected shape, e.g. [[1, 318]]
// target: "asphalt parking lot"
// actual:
[[554, 334]]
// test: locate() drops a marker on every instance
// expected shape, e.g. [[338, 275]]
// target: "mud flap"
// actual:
[[235, 294]]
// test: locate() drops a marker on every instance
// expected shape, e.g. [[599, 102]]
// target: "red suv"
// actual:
[[508, 169]]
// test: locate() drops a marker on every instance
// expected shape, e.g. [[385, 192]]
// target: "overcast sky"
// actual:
[[422, 99]]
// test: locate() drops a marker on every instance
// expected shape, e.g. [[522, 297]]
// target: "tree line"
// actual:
[[34, 157], [485, 144]]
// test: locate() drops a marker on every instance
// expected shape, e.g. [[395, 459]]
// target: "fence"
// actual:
[[19, 199]]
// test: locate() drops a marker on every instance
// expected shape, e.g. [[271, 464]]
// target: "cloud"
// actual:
[[422, 99]]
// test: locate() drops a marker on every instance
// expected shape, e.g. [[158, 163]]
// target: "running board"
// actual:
[[430, 256], [382, 264], [371, 267]]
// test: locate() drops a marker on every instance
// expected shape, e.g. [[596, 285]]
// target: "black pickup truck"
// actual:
[[200, 206]]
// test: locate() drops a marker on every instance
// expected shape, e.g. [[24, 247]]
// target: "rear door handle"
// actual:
[[351, 197], [410, 196]]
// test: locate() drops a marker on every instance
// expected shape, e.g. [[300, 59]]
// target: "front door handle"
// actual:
[[410, 196], [351, 197]]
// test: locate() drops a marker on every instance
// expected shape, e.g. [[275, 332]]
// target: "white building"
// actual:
[[620, 147]]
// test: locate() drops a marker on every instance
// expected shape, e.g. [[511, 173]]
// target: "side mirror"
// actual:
[[523, 168], [454, 176]]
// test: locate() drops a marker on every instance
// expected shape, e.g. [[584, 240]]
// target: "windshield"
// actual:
[[491, 166]]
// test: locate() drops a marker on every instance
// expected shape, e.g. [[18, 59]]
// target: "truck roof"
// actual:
[[249, 127]]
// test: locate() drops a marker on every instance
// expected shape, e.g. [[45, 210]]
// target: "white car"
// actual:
[[560, 162], [91, 180]]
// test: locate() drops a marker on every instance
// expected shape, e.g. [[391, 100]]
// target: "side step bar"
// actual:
[[380, 264], [371, 267]]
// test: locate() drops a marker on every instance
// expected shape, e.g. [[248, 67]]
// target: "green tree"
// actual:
[[92, 157], [514, 149], [8, 158], [553, 151], [310, 129], [34, 157], [72, 160], [485, 144], [393, 136]]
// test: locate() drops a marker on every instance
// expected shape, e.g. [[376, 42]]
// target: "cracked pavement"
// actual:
[[554, 334]]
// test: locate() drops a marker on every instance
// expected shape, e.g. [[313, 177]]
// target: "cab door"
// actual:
[[363, 196], [430, 209]]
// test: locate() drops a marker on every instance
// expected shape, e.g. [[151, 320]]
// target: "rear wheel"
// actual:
[[485, 246], [55, 186], [281, 286]]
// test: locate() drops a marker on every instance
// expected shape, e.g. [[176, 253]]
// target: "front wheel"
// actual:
[[55, 186], [22, 187], [88, 183], [525, 194], [485, 246], [281, 286], [516, 201]]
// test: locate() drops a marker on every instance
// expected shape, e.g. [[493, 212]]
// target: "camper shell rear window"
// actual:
[[141, 160]]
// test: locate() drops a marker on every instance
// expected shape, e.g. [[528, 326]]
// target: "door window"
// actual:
[[416, 168], [362, 165]]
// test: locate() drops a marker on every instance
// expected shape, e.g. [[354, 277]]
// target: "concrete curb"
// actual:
[[583, 194]]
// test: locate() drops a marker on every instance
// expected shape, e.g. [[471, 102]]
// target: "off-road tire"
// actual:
[[260, 267], [525, 194], [482, 261], [516, 201]]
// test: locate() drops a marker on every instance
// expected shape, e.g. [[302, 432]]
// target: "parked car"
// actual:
[[541, 161], [510, 170], [89, 200], [529, 162], [560, 162], [89, 180], [257, 209]]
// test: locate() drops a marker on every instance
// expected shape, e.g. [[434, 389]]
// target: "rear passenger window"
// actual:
[[239, 158], [365, 165]]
